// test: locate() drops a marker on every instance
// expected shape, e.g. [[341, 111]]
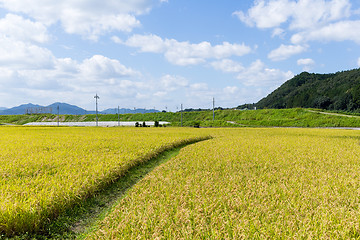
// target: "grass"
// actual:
[[46, 170], [296, 117], [248, 184]]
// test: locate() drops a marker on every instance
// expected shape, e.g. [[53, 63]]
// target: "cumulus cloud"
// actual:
[[231, 90], [266, 15], [20, 41], [184, 53], [285, 51], [170, 82], [35, 73], [227, 65], [278, 32], [358, 62], [17, 28], [90, 75], [16, 54], [87, 18], [199, 87], [340, 31], [259, 75], [301, 14], [146, 43], [307, 63], [113, 81], [315, 20], [100, 67]]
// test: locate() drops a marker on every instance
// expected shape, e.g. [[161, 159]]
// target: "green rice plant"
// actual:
[[248, 184], [46, 170]]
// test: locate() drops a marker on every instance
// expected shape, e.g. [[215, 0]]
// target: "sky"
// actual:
[[164, 53]]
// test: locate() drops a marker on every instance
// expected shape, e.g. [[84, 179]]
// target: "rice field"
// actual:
[[45, 170], [248, 184]]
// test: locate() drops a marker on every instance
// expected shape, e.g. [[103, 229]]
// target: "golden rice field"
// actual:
[[248, 184], [45, 170]]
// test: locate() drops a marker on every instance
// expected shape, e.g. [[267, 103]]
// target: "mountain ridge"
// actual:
[[64, 108]]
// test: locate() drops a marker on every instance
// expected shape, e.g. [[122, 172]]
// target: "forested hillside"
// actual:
[[338, 91]]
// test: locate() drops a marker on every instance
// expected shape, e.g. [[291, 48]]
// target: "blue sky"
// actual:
[[163, 53]]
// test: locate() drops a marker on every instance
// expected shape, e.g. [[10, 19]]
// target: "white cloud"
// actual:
[[311, 20], [94, 26], [19, 39], [358, 62], [259, 75], [100, 67], [17, 54], [199, 87], [340, 31], [227, 65], [87, 18], [307, 63], [266, 15], [91, 75], [285, 51], [17, 28], [171, 83], [301, 14], [35, 73], [311, 14], [160, 94], [278, 32], [66, 65], [146, 43], [256, 75], [185, 53], [231, 90]]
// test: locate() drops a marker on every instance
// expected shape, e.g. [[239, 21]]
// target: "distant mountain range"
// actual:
[[64, 108]]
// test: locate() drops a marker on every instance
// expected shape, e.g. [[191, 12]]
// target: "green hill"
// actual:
[[337, 91]]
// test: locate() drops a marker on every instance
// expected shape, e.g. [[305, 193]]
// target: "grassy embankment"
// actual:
[[248, 183], [223, 118]]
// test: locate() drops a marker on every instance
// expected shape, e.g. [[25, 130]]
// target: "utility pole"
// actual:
[[213, 109], [96, 100], [118, 115], [58, 113], [181, 114]]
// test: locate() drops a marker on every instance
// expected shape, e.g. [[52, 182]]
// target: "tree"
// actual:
[[156, 124]]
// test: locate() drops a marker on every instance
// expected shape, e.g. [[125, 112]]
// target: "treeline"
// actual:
[[338, 91]]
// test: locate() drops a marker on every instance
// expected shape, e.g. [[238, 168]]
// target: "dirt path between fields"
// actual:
[[334, 114]]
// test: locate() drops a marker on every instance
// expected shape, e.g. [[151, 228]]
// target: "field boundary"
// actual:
[[333, 114]]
